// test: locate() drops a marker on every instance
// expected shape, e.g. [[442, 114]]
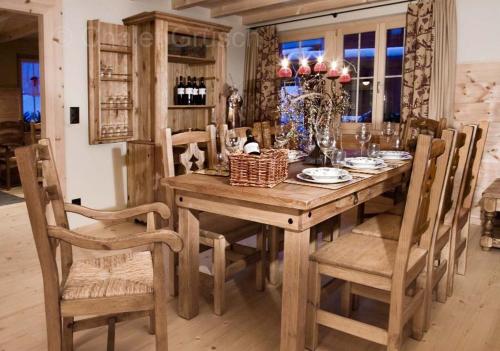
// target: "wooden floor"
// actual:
[[470, 320]]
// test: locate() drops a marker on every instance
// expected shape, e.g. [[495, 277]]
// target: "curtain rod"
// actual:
[[333, 14]]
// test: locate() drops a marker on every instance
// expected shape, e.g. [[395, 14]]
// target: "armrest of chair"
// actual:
[[163, 236], [156, 207]]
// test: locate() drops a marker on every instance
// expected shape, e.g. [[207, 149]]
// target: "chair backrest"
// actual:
[[35, 132], [268, 133], [417, 126], [45, 203], [12, 132], [193, 155], [475, 164]]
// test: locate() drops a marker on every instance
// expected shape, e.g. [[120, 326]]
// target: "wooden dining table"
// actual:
[[293, 206]]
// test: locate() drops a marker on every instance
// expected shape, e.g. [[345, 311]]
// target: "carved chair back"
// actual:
[[417, 126]]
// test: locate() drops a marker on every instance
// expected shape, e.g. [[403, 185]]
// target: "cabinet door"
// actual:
[[140, 173], [111, 87]]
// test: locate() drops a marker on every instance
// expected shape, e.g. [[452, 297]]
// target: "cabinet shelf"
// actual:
[[187, 107], [125, 50], [116, 79], [190, 60]]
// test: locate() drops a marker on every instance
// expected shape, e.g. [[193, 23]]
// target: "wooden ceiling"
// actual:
[[15, 26], [259, 11]]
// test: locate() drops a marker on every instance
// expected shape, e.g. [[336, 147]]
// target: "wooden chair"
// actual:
[[217, 232], [111, 288], [384, 267], [11, 137], [416, 126], [388, 225], [35, 132], [460, 228]]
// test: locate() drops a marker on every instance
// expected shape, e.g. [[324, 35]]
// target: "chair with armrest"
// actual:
[[111, 289], [220, 233]]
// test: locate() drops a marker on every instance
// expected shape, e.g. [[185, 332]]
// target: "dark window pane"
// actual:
[[367, 54], [350, 115], [365, 100], [351, 51], [392, 99], [395, 52]]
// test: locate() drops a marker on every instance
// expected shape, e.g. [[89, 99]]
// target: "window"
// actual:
[[295, 51], [374, 50], [30, 85]]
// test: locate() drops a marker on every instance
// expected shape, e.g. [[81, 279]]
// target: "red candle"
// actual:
[[320, 66], [334, 70], [285, 71], [304, 68], [345, 77]]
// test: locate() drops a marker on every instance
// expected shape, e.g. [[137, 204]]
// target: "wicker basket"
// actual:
[[264, 171]]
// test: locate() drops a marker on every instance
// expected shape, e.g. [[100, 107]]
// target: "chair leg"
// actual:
[[274, 262], [346, 299], [67, 333], [452, 262], [260, 269], [7, 175], [152, 322], [219, 273], [111, 334], [54, 326], [160, 296], [313, 303], [418, 319], [462, 260], [441, 293], [173, 278]]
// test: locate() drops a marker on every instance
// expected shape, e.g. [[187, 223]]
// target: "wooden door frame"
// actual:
[[50, 36]]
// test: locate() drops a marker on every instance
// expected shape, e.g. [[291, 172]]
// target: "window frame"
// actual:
[[334, 48]]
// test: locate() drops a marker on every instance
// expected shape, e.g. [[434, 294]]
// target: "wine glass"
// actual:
[[325, 136], [232, 141], [363, 135], [281, 136], [338, 158], [388, 130], [374, 150], [221, 163]]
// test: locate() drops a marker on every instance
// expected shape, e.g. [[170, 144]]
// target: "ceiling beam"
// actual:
[[237, 7], [285, 12], [184, 4], [19, 32]]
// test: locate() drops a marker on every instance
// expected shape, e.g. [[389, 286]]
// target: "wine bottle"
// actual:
[[176, 86], [189, 92], [195, 92], [202, 92], [181, 92], [251, 146]]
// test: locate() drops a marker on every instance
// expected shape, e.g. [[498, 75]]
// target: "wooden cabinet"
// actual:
[[146, 55]]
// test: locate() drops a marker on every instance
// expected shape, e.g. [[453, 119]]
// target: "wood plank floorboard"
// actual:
[[469, 321]]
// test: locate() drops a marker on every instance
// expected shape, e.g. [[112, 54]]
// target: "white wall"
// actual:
[[96, 173], [478, 30]]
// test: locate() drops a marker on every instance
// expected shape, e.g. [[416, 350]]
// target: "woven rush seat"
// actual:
[[117, 275], [385, 225], [371, 255]]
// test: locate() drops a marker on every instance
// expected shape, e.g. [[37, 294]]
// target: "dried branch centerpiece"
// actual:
[[312, 113]]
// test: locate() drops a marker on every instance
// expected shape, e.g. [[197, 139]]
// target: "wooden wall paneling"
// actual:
[[10, 104], [220, 75], [478, 98]]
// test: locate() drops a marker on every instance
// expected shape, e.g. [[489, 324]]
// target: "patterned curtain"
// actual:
[[418, 60], [261, 86]]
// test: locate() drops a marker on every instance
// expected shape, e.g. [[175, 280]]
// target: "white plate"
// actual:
[[363, 161], [367, 167], [395, 155], [306, 178], [325, 173]]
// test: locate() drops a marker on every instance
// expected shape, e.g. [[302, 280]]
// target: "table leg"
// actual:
[[275, 236], [486, 239], [189, 263], [294, 301]]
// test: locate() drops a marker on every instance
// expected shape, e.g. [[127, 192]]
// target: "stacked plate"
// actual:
[[395, 155], [324, 175], [296, 155], [365, 163]]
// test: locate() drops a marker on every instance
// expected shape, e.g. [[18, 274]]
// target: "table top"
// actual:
[[293, 196], [493, 190]]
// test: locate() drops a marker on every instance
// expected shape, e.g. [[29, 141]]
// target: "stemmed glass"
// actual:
[[232, 141], [338, 158], [281, 136], [325, 136], [388, 131], [363, 135], [221, 163]]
